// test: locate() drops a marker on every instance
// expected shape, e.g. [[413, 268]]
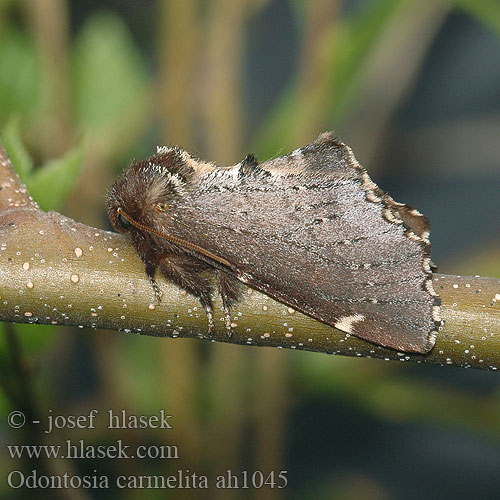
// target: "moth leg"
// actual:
[[186, 274], [230, 291], [150, 271]]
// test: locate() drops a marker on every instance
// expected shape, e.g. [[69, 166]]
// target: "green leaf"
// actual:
[[32, 339], [4, 352], [357, 36], [349, 46], [19, 77], [111, 96], [11, 139], [51, 184]]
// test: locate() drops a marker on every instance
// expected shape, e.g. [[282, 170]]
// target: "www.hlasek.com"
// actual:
[[78, 449]]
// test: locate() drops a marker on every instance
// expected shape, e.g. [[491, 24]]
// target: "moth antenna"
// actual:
[[177, 241]]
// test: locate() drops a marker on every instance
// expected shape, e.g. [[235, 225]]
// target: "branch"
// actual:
[[57, 271]]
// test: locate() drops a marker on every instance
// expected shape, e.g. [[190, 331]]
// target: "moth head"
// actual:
[[149, 189]]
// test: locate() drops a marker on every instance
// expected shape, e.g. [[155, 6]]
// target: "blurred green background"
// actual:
[[412, 86]]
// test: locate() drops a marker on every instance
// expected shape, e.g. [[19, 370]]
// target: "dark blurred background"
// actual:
[[412, 86]]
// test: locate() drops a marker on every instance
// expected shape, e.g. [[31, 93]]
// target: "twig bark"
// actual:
[[54, 270]]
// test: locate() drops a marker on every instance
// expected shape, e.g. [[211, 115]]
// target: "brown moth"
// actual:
[[310, 229]]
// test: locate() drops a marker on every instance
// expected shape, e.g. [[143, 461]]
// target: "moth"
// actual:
[[310, 229]]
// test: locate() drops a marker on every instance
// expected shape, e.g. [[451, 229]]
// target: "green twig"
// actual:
[[54, 270]]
